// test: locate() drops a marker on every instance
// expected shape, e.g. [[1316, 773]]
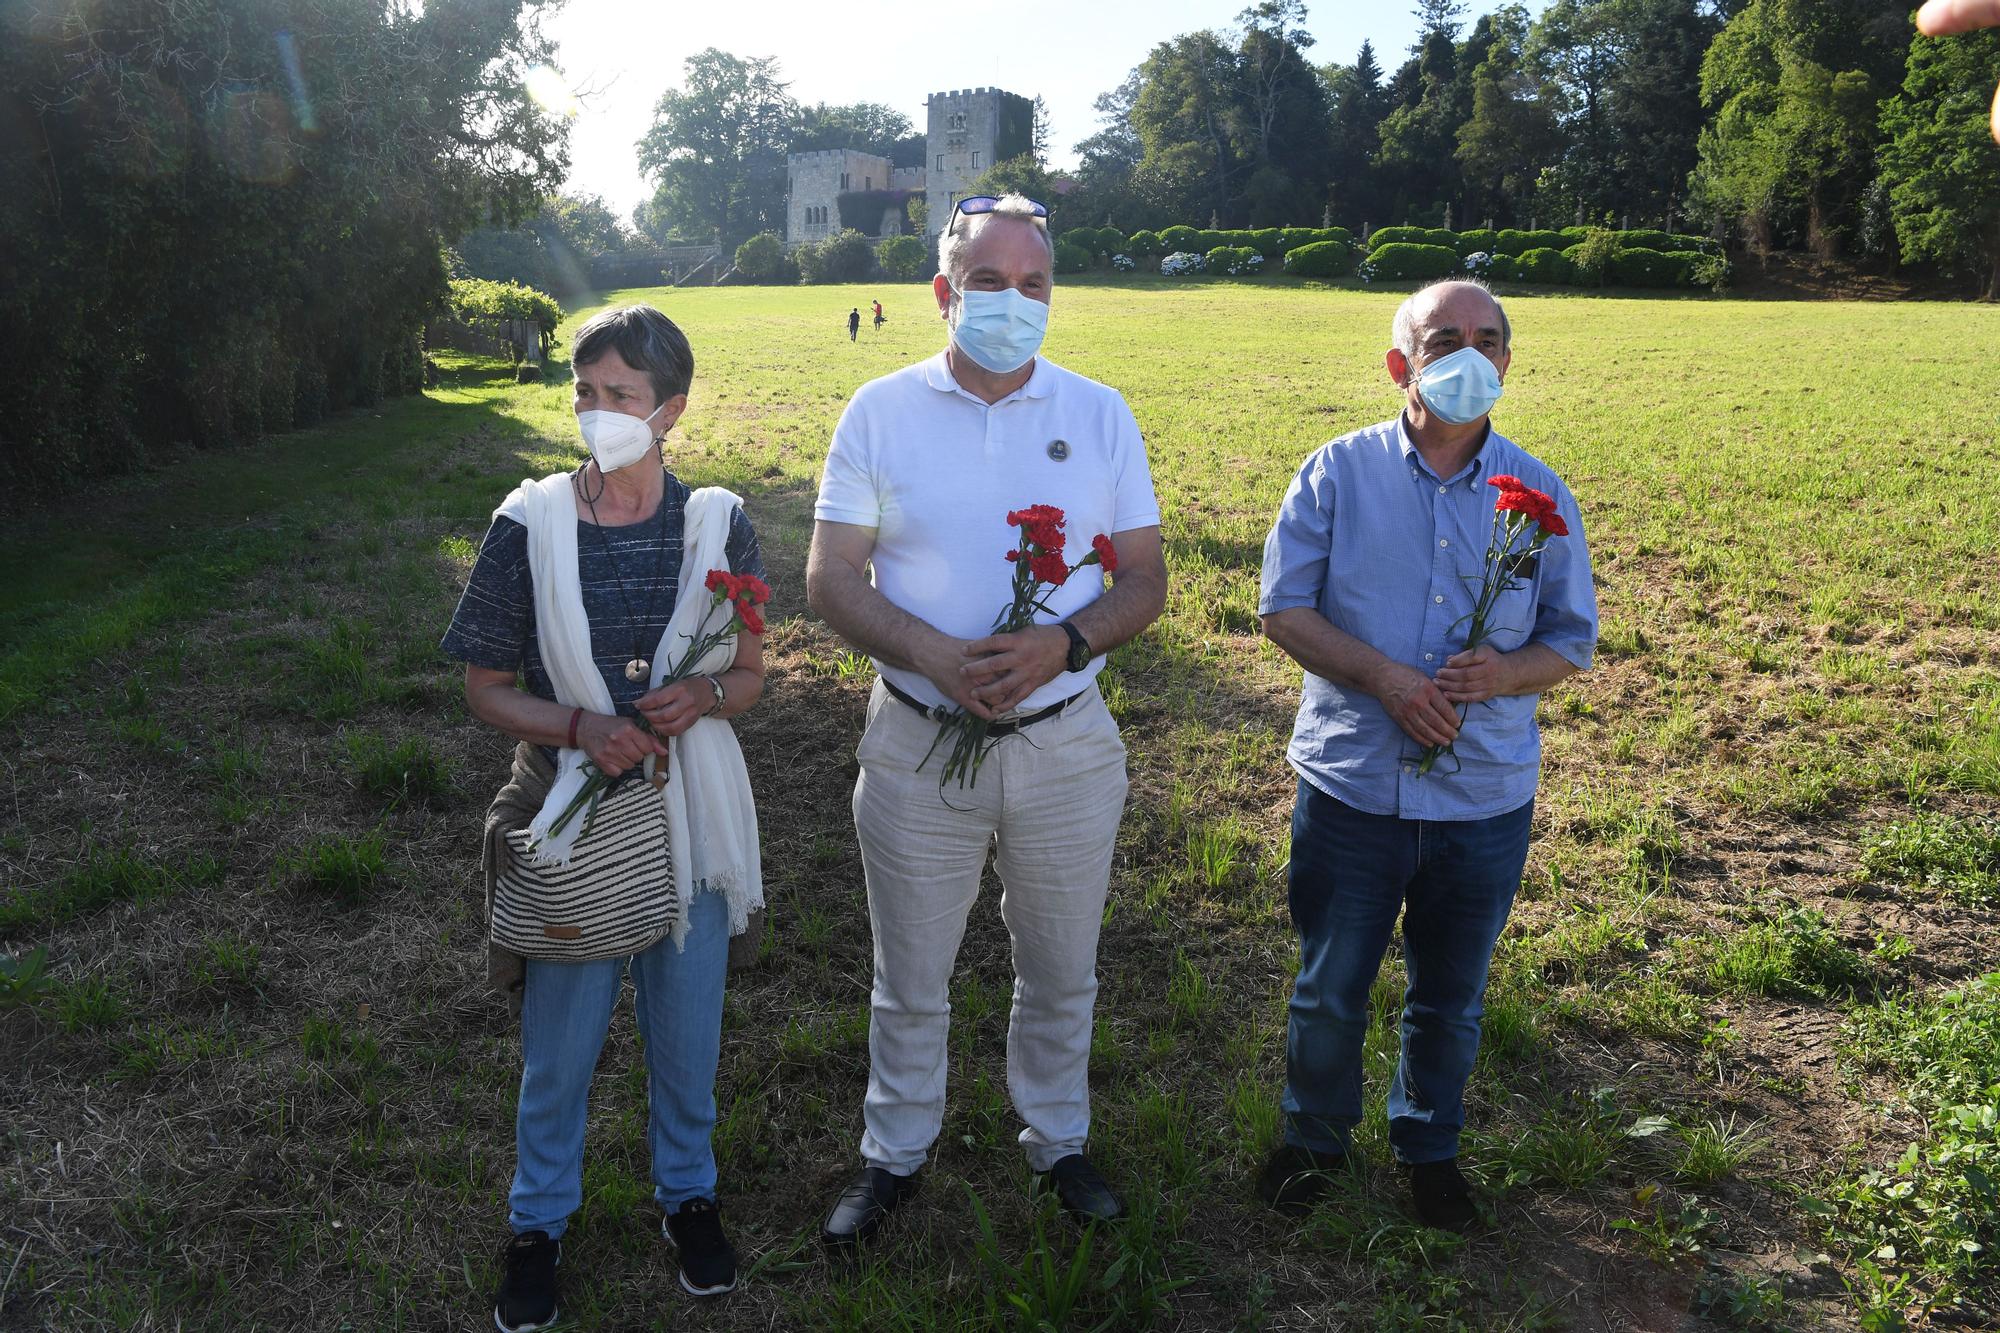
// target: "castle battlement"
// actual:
[[968, 130]]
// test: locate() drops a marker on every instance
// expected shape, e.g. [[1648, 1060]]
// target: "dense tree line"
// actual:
[[1813, 123], [224, 217]]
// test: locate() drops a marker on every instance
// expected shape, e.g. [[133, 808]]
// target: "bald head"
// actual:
[[1454, 303]]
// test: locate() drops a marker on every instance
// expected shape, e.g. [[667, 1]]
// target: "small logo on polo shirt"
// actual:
[[1059, 450]]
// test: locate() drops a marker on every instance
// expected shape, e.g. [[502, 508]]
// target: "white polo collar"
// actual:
[[1041, 380]]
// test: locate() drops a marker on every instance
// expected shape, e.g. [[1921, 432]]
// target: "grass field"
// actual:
[[1740, 1069]]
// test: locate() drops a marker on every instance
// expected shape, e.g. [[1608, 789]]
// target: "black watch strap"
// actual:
[[1079, 647]]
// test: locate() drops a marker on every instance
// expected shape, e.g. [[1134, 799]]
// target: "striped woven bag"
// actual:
[[614, 898]]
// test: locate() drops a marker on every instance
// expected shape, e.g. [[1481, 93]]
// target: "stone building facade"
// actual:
[[967, 130]]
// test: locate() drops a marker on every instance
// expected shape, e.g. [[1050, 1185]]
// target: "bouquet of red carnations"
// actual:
[[1518, 511], [1038, 568], [744, 594]]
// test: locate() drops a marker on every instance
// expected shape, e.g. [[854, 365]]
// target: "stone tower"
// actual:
[[969, 130]]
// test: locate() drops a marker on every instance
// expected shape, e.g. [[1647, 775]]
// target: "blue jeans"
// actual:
[[565, 1012], [1351, 873]]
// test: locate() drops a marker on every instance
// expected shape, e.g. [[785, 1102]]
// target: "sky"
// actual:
[[618, 57]]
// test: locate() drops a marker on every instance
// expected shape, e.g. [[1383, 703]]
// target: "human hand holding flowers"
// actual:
[[614, 744], [1524, 519], [1013, 661]]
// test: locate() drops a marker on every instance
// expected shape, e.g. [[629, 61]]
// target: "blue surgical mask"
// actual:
[[1000, 330], [1460, 388]]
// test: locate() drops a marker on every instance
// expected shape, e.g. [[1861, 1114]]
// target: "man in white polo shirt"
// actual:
[[925, 467]]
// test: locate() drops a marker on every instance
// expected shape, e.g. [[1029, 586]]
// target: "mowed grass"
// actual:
[[253, 1057]]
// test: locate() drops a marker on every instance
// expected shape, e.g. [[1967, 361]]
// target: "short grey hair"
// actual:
[[645, 340], [1403, 330], [952, 241]]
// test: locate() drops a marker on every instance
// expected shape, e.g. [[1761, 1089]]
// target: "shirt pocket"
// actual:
[[1511, 623]]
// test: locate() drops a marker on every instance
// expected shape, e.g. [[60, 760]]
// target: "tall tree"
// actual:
[[1359, 101], [1189, 164], [1512, 134], [225, 217], [867, 127], [1106, 161], [1420, 138], [1795, 85], [716, 148], [1940, 162], [1283, 116]]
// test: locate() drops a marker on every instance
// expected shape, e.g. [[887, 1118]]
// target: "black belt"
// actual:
[[1007, 728]]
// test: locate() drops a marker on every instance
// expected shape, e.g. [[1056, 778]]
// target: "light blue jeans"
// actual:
[[565, 1012]]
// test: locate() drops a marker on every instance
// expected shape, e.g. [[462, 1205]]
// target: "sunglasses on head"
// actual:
[[974, 205]]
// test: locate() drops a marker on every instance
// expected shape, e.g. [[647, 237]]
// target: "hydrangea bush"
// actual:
[[1182, 264], [1123, 263]]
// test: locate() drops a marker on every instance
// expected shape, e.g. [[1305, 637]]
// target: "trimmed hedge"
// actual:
[[1544, 264], [1266, 241], [1320, 259], [1145, 243], [1071, 257], [1500, 268], [1517, 243], [1398, 236], [1640, 267], [1235, 261], [1401, 259], [1476, 241], [1173, 239]]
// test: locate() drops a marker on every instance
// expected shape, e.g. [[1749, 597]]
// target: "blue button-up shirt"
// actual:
[[1391, 553]]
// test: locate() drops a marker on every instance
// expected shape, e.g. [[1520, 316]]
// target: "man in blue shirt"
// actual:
[[1370, 576]]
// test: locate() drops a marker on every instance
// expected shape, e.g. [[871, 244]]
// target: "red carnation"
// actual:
[[751, 588], [752, 622], [1526, 500], [1049, 568], [1106, 555], [1552, 523], [717, 580], [1507, 483]]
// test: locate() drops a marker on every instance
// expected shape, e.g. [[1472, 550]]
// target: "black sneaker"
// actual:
[[708, 1260], [527, 1299], [1442, 1195], [1295, 1179]]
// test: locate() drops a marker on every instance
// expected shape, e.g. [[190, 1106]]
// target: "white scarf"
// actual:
[[711, 817]]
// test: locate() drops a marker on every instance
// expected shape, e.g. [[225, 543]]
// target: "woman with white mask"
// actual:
[[565, 628]]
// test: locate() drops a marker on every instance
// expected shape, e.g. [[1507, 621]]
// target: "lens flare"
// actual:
[[548, 90]]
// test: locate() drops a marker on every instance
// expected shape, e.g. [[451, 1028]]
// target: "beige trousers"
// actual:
[[1048, 801]]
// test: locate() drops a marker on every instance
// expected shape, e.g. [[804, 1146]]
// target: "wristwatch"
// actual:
[[1079, 648]]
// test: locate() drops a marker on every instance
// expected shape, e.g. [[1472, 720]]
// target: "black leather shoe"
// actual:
[[1084, 1193], [868, 1198], [1443, 1197], [1294, 1179]]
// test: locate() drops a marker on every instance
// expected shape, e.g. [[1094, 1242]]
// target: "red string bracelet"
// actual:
[[574, 718]]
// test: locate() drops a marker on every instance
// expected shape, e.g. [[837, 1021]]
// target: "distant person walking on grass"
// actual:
[[585, 583], [1370, 578], [879, 316], [854, 324], [925, 467]]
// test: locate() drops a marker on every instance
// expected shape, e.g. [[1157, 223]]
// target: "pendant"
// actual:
[[636, 669]]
